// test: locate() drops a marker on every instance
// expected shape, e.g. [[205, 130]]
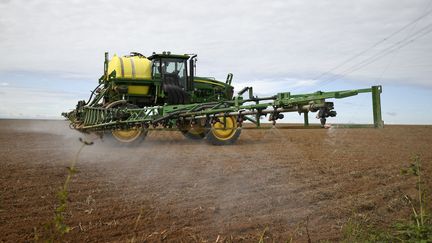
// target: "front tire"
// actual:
[[224, 131], [130, 135]]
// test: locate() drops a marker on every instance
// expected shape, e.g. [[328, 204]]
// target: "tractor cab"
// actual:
[[173, 70], [175, 75]]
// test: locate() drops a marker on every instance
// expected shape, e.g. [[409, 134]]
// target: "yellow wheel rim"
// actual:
[[224, 131], [128, 135]]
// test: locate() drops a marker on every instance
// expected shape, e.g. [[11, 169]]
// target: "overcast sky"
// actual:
[[52, 51]]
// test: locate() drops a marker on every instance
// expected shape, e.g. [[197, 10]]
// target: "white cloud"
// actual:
[[273, 46], [4, 84], [250, 38]]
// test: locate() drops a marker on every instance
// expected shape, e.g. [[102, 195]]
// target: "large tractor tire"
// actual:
[[194, 134], [131, 135], [224, 131], [175, 93], [195, 131]]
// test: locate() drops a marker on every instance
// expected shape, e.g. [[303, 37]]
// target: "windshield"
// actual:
[[169, 67]]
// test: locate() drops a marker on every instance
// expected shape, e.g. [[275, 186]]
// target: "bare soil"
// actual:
[[280, 183]]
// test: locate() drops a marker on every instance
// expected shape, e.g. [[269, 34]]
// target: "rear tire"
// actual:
[[192, 135], [194, 131]]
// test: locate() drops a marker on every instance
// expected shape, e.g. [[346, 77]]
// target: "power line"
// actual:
[[373, 46], [381, 54], [410, 32]]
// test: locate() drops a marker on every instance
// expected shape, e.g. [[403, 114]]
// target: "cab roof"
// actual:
[[168, 55]]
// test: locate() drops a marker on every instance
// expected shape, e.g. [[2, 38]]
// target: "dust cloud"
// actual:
[[167, 168]]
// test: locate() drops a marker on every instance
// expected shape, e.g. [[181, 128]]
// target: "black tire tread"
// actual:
[[215, 141]]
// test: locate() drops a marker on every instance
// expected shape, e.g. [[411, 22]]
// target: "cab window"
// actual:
[[156, 69], [174, 68]]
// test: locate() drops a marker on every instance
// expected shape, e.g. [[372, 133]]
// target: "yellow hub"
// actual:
[[127, 136], [225, 128]]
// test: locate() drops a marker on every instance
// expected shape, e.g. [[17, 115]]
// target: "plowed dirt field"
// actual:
[[276, 183]]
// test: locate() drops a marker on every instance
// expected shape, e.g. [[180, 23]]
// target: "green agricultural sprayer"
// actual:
[[136, 93]]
